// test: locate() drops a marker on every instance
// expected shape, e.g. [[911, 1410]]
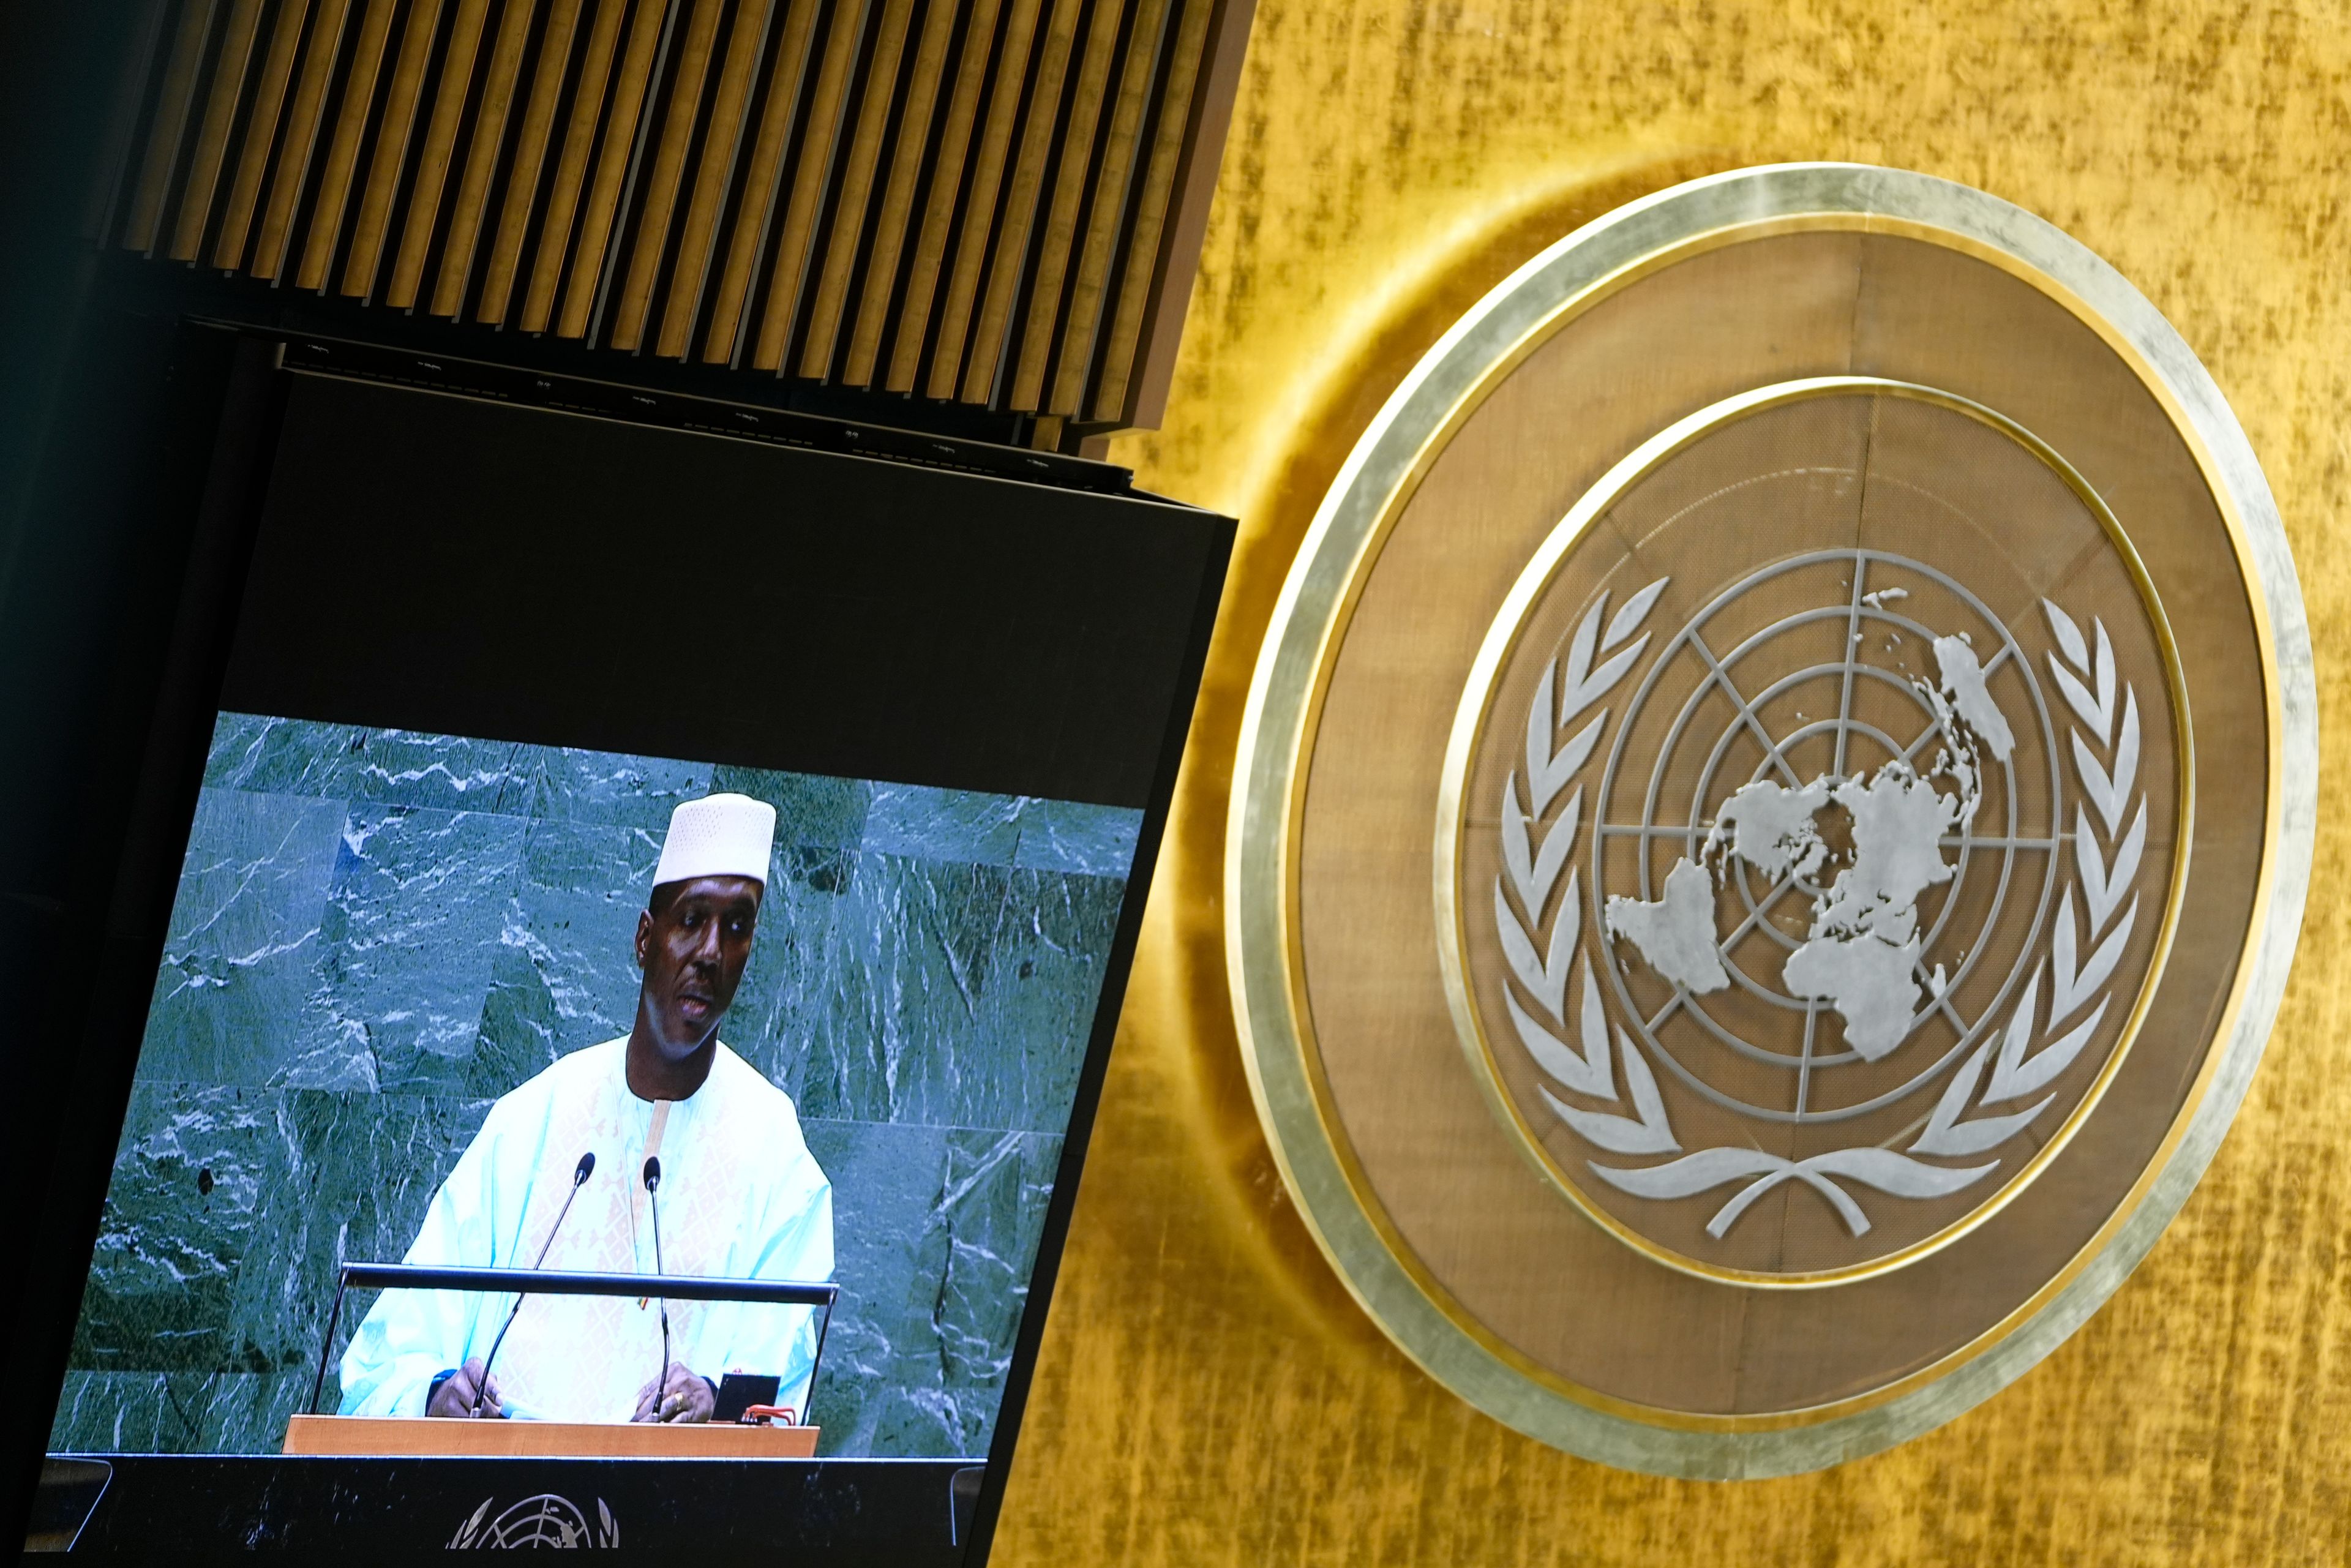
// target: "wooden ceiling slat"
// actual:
[[960, 200], [721, 146], [788, 82], [439, 151], [1123, 340], [827, 104], [1109, 209], [587, 268], [173, 104], [651, 242], [1175, 263], [212, 136], [532, 141], [1041, 311], [946, 187], [1009, 258], [565, 191], [334, 194], [260, 134], [849, 211], [302, 122], [487, 140], [980, 207], [891, 221], [400, 101]]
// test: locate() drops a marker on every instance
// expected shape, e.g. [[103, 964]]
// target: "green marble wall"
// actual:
[[378, 932]]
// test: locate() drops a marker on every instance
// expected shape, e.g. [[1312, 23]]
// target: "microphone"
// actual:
[[579, 1175], [653, 1205]]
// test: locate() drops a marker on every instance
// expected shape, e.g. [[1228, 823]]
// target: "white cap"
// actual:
[[718, 835]]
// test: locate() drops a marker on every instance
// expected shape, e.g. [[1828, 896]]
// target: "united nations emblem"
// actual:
[[1826, 870], [1771, 820]]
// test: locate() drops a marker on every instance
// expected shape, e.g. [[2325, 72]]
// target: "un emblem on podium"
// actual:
[[1771, 821], [545, 1521]]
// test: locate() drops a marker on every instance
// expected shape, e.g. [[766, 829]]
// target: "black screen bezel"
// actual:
[[210, 663]]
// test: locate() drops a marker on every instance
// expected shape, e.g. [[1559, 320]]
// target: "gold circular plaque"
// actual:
[[1771, 820], [1812, 679]]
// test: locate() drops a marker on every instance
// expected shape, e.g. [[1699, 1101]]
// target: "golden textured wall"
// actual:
[[1208, 1394]]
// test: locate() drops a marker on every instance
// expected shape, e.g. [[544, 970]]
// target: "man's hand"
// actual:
[[684, 1397], [455, 1397]]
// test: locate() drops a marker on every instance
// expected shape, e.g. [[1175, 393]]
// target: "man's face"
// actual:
[[692, 944]]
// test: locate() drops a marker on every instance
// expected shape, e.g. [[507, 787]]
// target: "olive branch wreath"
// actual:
[[481, 1531], [2089, 682]]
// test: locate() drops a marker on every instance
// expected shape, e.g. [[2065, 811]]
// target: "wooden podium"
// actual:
[[424, 1437]]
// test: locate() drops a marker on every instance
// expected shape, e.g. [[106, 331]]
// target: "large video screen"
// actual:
[[611, 852], [397, 1003]]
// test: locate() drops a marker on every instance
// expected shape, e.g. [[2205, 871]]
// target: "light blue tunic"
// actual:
[[741, 1197]]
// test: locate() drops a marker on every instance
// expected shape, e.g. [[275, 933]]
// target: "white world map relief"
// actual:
[[1846, 855], [1862, 949]]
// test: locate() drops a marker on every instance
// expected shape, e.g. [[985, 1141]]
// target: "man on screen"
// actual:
[[740, 1196]]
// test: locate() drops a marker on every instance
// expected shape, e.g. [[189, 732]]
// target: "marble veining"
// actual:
[[1002, 829], [244, 936], [935, 1271], [410, 928]]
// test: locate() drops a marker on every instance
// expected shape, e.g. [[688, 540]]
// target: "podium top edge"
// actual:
[[554, 1283]]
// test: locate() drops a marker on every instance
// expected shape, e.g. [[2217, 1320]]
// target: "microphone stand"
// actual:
[[652, 1206], [579, 1180]]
